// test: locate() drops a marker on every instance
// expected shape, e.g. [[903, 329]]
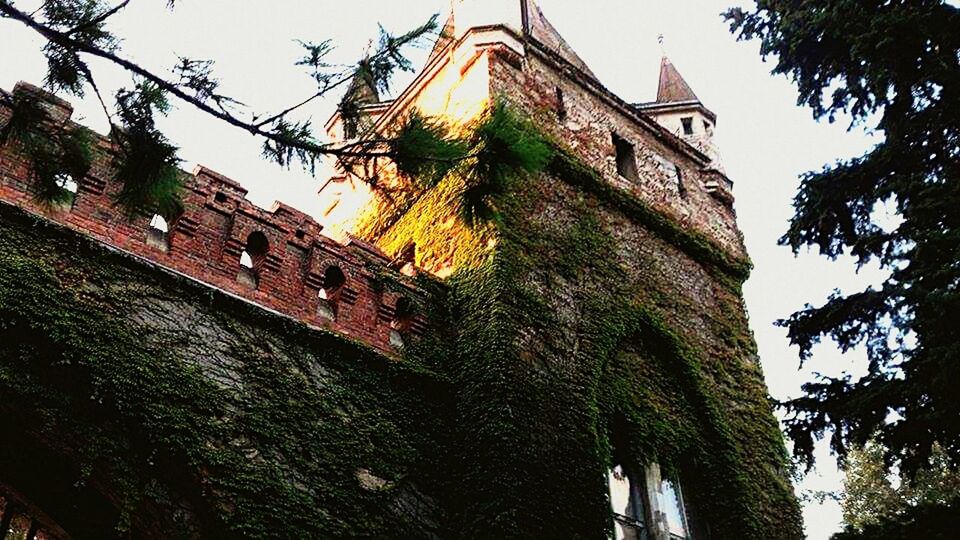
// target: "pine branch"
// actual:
[[64, 40], [99, 19]]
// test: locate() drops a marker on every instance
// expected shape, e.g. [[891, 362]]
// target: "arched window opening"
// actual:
[[402, 321], [333, 280], [257, 246], [68, 191], [406, 262], [159, 223], [252, 258], [403, 314], [158, 234]]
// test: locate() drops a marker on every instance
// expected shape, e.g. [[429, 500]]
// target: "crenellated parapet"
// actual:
[[277, 258]]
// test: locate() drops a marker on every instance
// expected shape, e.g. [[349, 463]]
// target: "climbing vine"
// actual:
[[567, 357], [559, 346], [198, 415]]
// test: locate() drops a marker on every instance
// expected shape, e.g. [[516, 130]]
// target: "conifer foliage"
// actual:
[[145, 161], [896, 63]]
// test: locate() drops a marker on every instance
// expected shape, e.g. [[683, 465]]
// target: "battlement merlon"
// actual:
[[518, 55], [277, 258]]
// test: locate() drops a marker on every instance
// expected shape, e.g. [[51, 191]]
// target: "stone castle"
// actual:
[[579, 366]]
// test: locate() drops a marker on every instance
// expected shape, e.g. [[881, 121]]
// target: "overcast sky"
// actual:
[[765, 139]]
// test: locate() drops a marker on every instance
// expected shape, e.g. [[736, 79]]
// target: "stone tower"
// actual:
[[558, 353], [600, 346], [678, 109]]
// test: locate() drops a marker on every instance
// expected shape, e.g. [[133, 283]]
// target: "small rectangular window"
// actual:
[[561, 105], [626, 158], [687, 122], [672, 173]]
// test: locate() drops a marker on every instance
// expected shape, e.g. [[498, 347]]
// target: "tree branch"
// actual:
[[63, 39], [319, 94], [97, 20]]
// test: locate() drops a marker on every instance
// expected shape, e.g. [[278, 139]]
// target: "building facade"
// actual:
[[578, 365]]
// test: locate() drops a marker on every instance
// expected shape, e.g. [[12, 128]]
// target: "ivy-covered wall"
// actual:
[[578, 328], [592, 330], [135, 402]]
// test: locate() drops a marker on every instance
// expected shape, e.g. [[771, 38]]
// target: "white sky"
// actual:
[[766, 140]]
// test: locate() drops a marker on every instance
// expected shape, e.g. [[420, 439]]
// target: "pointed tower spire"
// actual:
[[679, 110], [673, 87]]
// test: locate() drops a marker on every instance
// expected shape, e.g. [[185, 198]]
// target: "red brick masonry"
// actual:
[[299, 272]]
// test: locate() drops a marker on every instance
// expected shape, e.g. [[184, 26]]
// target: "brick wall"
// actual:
[[583, 115], [296, 275]]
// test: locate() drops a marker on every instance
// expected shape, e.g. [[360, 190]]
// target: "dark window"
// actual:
[[257, 246], [687, 122], [403, 314], [626, 158], [333, 279], [561, 105], [252, 258], [220, 197]]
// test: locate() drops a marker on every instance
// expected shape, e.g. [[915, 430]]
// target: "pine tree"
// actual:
[[146, 162], [895, 63]]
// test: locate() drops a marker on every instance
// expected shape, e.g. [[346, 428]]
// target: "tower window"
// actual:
[[333, 280], [626, 158], [561, 105], [687, 122]]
